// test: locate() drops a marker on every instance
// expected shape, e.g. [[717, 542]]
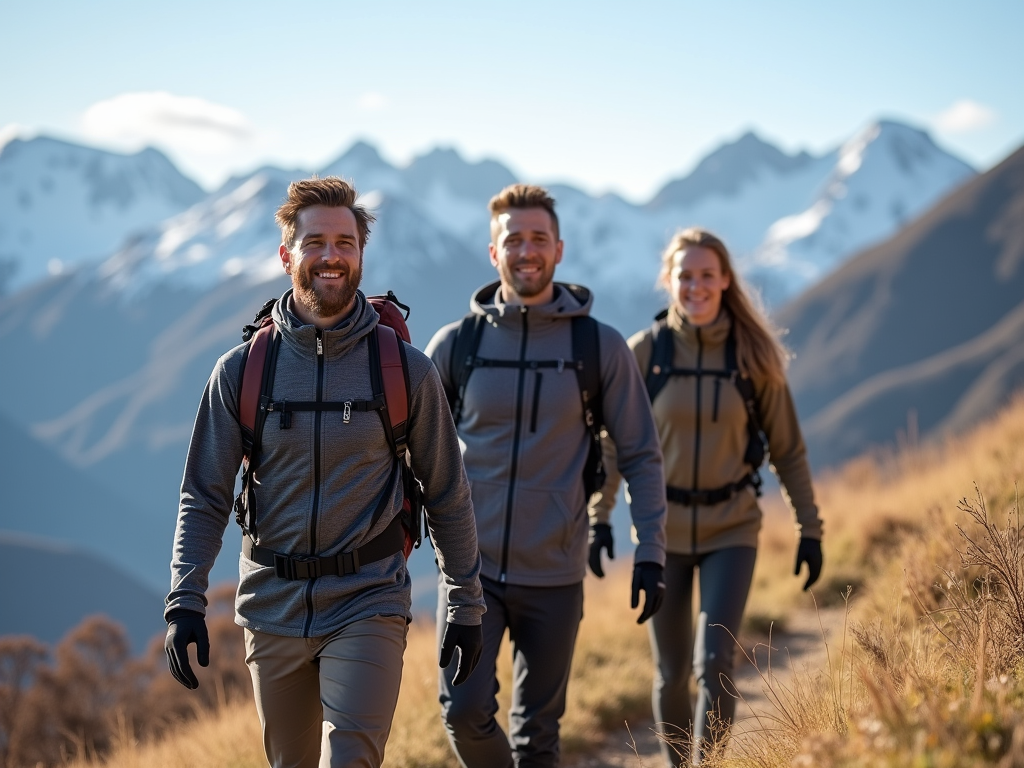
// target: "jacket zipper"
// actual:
[[536, 401], [316, 474], [714, 410], [696, 438], [520, 386]]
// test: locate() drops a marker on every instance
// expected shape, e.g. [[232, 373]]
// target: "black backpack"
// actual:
[[586, 353], [661, 369]]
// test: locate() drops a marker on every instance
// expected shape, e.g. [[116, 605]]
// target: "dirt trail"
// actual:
[[800, 647]]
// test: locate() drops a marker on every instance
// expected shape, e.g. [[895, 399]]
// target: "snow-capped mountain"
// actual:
[[728, 170], [789, 219], [880, 179], [63, 204]]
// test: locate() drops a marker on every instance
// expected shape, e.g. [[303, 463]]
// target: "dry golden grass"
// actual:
[[931, 671], [229, 738]]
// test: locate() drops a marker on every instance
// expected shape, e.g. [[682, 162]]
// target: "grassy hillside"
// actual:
[[930, 672]]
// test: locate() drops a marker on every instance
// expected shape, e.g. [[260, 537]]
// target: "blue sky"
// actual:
[[607, 96]]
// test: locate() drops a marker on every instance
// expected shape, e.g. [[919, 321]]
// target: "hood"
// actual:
[[338, 341], [569, 301]]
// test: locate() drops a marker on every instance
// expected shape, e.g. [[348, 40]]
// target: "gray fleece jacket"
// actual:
[[525, 443], [318, 485]]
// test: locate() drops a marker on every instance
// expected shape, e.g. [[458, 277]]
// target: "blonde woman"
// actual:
[[715, 371]]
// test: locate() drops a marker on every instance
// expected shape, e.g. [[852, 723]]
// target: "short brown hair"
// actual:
[[330, 191], [524, 196]]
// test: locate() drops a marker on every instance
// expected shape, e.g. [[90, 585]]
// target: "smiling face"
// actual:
[[697, 282], [525, 250], [325, 263]]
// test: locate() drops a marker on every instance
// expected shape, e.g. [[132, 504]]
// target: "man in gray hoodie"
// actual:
[[325, 631], [525, 444]]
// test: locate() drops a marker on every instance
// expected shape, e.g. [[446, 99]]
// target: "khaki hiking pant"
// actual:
[[328, 701]]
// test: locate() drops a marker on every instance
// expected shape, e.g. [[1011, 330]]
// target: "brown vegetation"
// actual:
[[88, 695]]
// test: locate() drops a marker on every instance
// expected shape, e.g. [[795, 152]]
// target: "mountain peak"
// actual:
[[910, 148], [445, 167], [358, 162], [727, 168], [101, 195]]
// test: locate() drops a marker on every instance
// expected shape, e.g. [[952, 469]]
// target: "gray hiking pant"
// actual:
[[542, 623], [328, 701], [725, 577]]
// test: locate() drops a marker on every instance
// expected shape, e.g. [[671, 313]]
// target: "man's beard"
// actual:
[[527, 289], [326, 301]]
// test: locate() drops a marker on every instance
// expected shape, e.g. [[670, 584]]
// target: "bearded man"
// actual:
[[514, 371], [323, 593]]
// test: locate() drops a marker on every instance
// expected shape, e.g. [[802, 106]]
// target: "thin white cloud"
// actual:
[[372, 102], [184, 122], [964, 116]]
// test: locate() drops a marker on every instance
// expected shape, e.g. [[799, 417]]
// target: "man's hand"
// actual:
[[649, 578], [600, 538], [809, 552], [470, 642], [184, 627]]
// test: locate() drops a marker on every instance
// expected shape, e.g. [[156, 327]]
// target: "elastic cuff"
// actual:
[[181, 613], [649, 553]]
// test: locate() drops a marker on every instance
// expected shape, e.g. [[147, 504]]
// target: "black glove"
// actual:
[[809, 552], [184, 627], [649, 578], [470, 642], [600, 538]]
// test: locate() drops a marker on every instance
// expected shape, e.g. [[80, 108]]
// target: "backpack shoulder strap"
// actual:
[[586, 351], [755, 444], [257, 377], [663, 346], [467, 342], [392, 368], [256, 386]]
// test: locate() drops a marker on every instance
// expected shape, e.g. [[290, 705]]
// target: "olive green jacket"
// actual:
[[702, 424]]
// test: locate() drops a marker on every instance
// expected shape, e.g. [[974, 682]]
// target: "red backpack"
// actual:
[[389, 380]]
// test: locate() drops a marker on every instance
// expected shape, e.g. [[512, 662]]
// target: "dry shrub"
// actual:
[[924, 685], [88, 696], [991, 605], [21, 657]]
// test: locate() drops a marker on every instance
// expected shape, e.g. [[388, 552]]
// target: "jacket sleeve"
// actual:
[[440, 349], [630, 424], [207, 488], [788, 456], [437, 461]]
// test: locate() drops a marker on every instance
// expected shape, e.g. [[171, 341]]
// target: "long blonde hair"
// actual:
[[759, 353]]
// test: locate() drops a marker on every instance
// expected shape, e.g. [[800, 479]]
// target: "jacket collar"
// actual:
[[713, 334], [569, 301], [337, 341]]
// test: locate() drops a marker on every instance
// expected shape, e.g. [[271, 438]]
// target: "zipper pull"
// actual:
[[319, 345], [346, 415]]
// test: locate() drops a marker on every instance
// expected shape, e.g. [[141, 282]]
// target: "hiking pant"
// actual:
[[542, 624], [328, 701], [725, 577]]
